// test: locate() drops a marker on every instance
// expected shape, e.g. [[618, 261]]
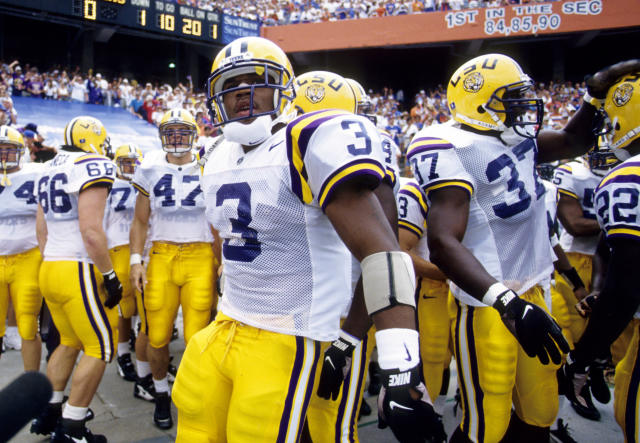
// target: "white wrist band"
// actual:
[[490, 297], [398, 348], [135, 259], [349, 338]]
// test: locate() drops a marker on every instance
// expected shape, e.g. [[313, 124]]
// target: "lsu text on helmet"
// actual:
[[318, 90], [622, 108], [178, 130], [249, 55], [11, 147], [127, 158], [364, 105], [86, 133], [490, 92]]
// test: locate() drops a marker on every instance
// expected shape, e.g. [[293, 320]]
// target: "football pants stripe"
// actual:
[[88, 297], [103, 314], [631, 419], [300, 389]]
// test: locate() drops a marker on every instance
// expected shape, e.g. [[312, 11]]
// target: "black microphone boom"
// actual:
[[23, 399]]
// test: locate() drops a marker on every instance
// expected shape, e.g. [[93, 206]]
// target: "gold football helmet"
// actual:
[[622, 109], [318, 90], [490, 93], [600, 159], [250, 55], [178, 130], [127, 158], [11, 150], [86, 133], [364, 105]]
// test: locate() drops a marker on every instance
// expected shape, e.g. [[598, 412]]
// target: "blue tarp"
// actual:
[[52, 116]]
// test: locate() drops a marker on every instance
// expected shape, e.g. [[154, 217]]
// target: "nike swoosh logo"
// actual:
[[526, 308], [328, 360], [393, 404], [408, 355], [273, 146]]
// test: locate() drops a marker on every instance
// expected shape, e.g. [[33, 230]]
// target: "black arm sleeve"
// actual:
[[617, 303]]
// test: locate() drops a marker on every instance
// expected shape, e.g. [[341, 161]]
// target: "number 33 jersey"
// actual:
[[59, 187], [286, 269], [507, 227], [175, 196]]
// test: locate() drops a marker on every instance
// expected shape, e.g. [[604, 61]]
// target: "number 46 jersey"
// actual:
[[286, 269], [507, 228], [59, 187]]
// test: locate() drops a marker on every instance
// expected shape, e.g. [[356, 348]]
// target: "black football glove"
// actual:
[[572, 378], [538, 333], [114, 289], [598, 84], [410, 420], [335, 367]]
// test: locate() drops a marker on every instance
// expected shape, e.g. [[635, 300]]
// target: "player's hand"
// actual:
[[538, 334], [571, 379], [404, 405], [598, 84], [114, 289], [585, 306], [138, 277], [336, 365]]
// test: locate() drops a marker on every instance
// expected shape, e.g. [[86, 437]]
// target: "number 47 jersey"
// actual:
[[286, 269], [506, 228], [65, 177]]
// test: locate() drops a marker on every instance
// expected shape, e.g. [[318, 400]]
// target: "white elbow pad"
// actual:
[[388, 280]]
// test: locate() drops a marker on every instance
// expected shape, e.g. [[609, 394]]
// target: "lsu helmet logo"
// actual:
[[473, 82], [315, 93], [622, 94]]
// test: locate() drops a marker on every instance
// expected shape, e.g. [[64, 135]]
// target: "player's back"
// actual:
[[59, 187]]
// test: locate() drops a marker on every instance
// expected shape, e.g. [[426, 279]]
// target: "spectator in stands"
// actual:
[[135, 106], [11, 115], [93, 90], [63, 90], [78, 90]]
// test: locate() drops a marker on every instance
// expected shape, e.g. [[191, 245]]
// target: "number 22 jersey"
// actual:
[[59, 187], [286, 269], [507, 227]]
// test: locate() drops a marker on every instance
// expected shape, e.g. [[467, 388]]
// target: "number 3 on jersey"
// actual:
[[251, 248], [164, 188]]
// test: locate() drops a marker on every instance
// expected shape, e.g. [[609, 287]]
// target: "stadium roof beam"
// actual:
[[586, 37]]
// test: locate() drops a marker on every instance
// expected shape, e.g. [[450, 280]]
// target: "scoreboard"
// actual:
[[163, 17]]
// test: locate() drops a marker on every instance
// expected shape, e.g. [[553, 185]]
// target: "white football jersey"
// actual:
[[59, 187], [506, 228], [119, 212], [175, 196], [576, 180], [286, 269], [412, 214], [390, 151], [19, 205], [551, 197]]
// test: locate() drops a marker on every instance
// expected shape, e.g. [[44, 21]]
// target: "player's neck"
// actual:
[[174, 160]]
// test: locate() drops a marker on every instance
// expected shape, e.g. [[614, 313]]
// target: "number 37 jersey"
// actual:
[[59, 187], [506, 228], [286, 269]]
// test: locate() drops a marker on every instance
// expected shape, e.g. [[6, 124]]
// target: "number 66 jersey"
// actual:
[[506, 228], [286, 269], [59, 187]]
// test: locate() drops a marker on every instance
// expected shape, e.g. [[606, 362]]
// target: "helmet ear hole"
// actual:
[[481, 110], [617, 126]]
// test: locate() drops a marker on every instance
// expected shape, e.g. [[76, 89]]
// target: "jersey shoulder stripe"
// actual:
[[298, 134], [625, 173], [352, 169], [93, 181], [404, 224], [568, 193], [90, 158], [390, 176], [624, 231], [140, 189], [438, 184], [412, 190], [423, 144], [566, 168]]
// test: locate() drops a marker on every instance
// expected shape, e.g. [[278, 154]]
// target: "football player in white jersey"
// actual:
[[182, 264], [284, 193], [488, 234], [76, 277], [19, 255], [119, 216], [618, 212]]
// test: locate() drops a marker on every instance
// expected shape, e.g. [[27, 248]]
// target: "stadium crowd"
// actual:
[[274, 12], [396, 114]]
